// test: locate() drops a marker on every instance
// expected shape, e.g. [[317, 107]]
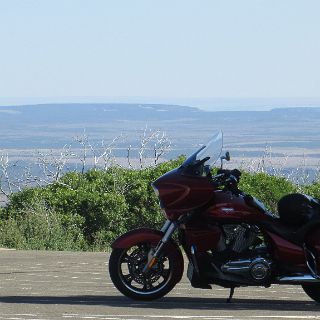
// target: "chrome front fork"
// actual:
[[168, 229], [165, 226]]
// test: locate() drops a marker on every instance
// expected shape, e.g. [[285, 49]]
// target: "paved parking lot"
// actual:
[[67, 285]]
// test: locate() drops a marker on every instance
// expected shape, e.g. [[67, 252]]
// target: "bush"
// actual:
[[40, 228], [10, 235], [267, 189], [87, 211], [83, 210], [313, 189]]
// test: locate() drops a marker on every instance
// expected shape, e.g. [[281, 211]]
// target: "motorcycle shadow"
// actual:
[[193, 303], [170, 302]]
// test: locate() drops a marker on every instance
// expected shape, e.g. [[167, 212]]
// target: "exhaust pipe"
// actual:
[[299, 279]]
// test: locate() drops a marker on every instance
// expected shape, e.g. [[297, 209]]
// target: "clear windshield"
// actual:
[[211, 150]]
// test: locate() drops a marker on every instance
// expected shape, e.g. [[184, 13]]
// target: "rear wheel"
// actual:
[[125, 268], [313, 291]]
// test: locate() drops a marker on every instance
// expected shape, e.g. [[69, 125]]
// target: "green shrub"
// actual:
[[40, 228], [10, 235], [267, 189], [87, 211], [313, 189]]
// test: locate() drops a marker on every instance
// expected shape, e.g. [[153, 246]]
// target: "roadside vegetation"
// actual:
[[87, 210]]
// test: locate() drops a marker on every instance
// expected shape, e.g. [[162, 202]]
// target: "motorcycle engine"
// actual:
[[257, 269], [240, 245], [240, 237]]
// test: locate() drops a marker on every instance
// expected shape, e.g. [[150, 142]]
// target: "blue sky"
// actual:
[[168, 50]]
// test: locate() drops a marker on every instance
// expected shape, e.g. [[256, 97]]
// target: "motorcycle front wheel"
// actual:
[[125, 268], [313, 291]]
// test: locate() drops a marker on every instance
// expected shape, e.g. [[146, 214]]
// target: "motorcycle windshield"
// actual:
[[210, 151]]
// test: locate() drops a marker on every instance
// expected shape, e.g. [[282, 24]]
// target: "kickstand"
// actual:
[[230, 295]]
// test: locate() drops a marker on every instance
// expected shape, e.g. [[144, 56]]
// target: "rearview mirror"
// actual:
[[225, 157]]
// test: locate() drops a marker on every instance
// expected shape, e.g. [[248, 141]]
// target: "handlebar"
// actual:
[[235, 172], [227, 178]]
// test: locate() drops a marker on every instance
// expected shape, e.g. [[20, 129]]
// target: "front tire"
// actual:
[[125, 268], [313, 291]]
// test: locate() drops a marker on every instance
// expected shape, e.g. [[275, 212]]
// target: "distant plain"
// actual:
[[290, 136]]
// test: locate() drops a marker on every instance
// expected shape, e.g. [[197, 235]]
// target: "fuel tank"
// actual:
[[231, 208]]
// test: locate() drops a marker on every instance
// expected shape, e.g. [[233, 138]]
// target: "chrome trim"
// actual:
[[245, 266], [172, 227], [165, 226], [239, 266], [299, 279]]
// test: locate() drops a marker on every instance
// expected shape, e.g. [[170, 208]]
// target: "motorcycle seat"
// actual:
[[294, 234]]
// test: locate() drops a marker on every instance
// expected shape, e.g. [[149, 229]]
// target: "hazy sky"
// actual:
[[166, 49]]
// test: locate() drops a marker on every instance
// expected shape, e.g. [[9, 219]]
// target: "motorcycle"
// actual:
[[229, 238]]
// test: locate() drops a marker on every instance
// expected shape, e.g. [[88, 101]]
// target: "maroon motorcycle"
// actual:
[[228, 237]]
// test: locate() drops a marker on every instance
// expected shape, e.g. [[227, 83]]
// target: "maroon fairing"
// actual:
[[179, 193], [204, 237], [286, 252]]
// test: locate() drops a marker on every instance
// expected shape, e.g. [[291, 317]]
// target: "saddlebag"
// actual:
[[297, 209]]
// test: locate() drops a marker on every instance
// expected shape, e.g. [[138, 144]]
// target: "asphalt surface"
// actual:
[[64, 285]]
